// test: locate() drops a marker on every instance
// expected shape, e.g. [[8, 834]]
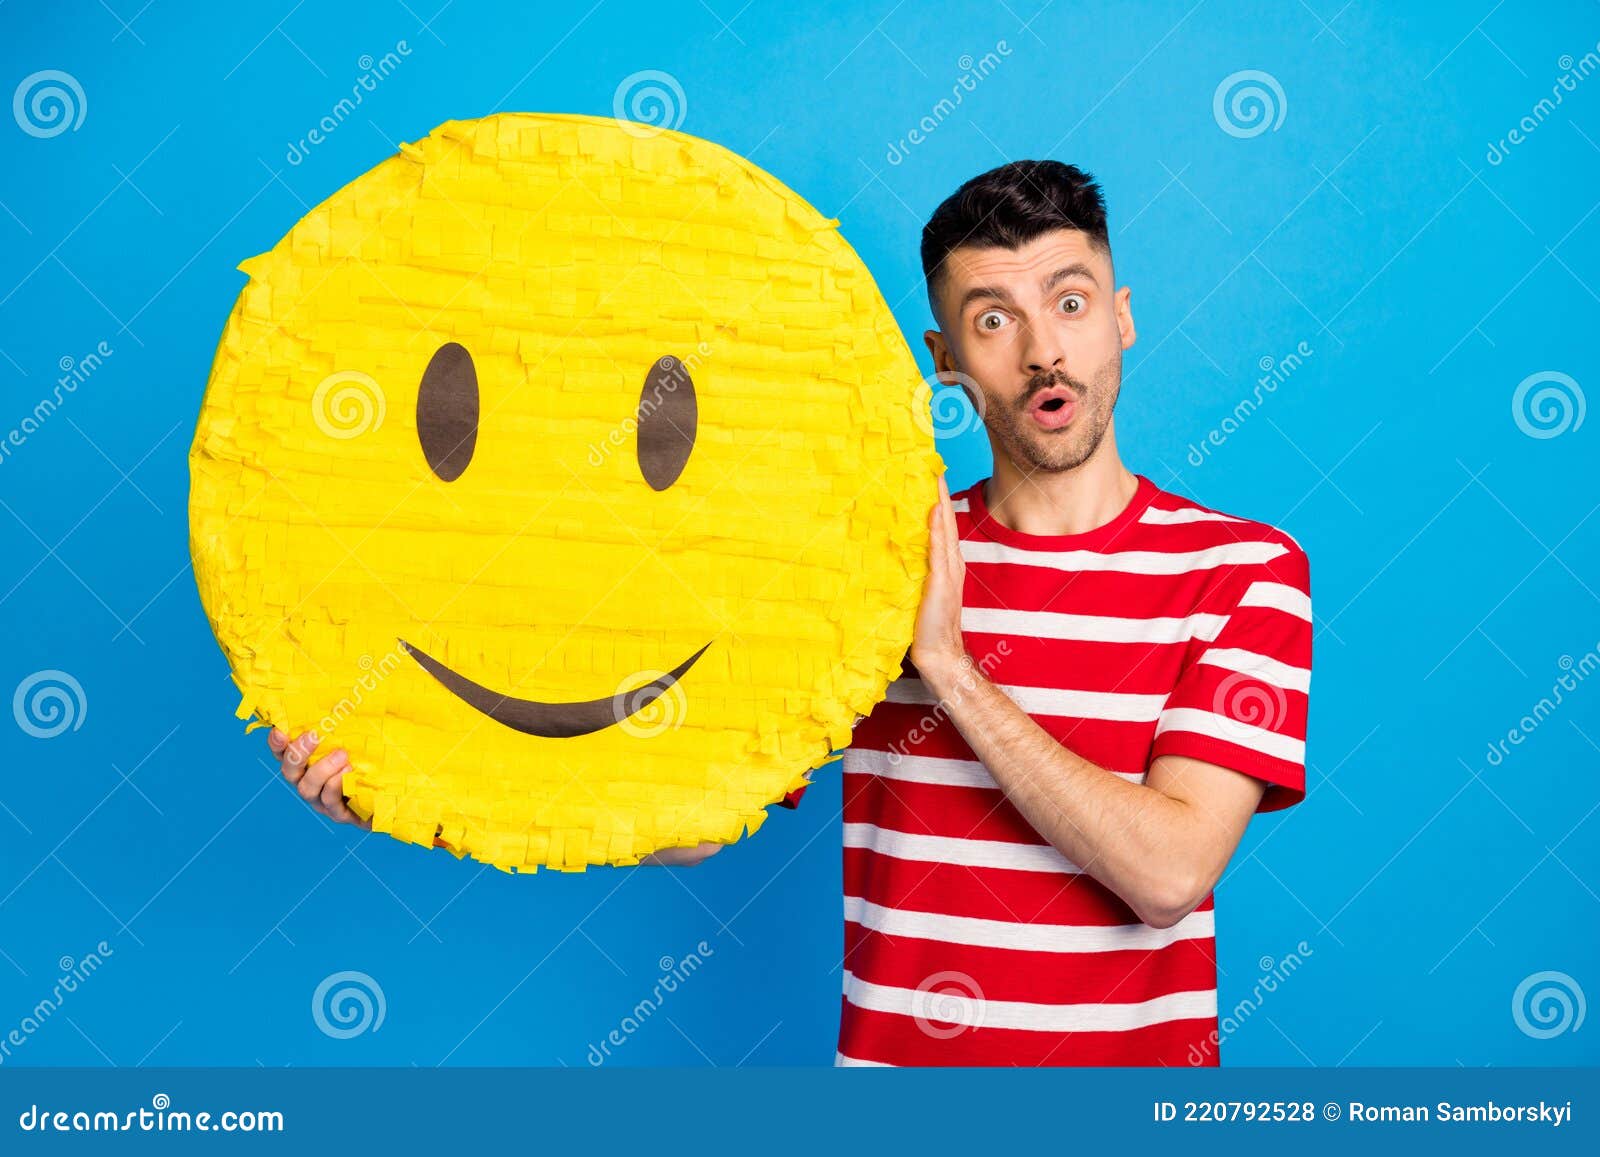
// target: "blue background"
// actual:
[[1453, 555]]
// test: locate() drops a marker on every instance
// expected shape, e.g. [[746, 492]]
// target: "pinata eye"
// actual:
[[668, 415], [447, 411]]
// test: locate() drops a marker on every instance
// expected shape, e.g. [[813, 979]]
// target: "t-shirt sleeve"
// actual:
[[1242, 701]]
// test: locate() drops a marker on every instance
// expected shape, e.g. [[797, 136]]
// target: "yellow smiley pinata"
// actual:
[[569, 474]]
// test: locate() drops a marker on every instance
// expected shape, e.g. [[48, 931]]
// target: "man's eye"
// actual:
[[991, 320], [1073, 303]]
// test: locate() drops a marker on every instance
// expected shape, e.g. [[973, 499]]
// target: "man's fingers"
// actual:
[[947, 513], [295, 756], [331, 793], [322, 783], [317, 774], [339, 811], [300, 747], [333, 804], [938, 556], [944, 538]]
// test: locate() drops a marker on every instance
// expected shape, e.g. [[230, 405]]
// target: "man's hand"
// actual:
[[682, 857], [937, 645], [319, 785]]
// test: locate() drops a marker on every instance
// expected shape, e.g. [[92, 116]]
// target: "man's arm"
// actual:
[[1160, 846]]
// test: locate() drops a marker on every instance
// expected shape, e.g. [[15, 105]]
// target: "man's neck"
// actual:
[[1069, 502]]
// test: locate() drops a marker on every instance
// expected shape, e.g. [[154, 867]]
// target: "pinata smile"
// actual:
[[552, 720]]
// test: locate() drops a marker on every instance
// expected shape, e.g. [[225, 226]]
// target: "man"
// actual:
[[1106, 682]]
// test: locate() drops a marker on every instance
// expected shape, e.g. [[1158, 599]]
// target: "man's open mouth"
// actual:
[[1053, 408], [552, 720]]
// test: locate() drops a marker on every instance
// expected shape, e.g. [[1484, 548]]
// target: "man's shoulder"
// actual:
[[1203, 527]]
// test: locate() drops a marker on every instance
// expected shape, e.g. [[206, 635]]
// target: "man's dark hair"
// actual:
[[1010, 206]]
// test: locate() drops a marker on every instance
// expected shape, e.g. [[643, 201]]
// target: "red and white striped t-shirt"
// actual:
[[969, 940]]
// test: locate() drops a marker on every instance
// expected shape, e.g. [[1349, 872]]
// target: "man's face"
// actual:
[[1040, 331]]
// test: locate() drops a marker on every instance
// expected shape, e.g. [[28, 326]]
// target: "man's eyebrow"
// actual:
[[998, 293], [1076, 269], [978, 292]]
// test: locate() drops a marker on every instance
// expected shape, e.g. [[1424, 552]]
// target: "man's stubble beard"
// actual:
[[1053, 452]]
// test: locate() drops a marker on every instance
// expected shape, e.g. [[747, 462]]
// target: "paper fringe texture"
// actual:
[[567, 255]]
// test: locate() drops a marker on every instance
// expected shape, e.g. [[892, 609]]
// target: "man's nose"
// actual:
[[1043, 350]]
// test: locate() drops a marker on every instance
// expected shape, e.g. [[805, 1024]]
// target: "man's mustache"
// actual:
[[1048, 379]]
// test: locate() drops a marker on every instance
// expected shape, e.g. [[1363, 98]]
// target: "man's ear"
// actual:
[[943, 363], [1124, 309]]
